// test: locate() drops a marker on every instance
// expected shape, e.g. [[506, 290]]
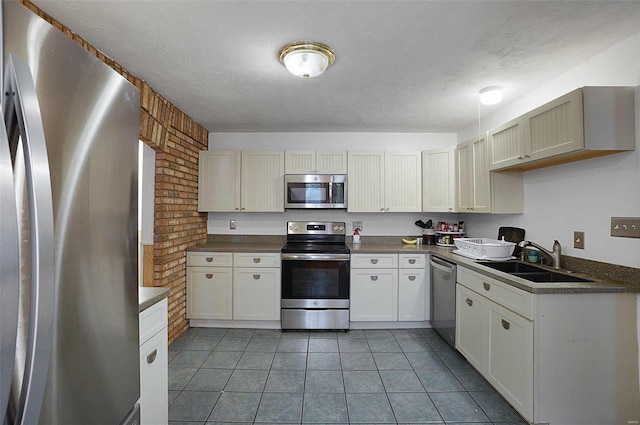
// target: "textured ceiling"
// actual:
[[402, 66]]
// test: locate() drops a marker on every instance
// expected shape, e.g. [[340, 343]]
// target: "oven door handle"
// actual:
[[315, 257]]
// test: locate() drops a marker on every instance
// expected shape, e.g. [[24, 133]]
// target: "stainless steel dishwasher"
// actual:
[[443, 298]]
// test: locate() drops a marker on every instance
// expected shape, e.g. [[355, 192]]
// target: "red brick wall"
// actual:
[[176, 138]]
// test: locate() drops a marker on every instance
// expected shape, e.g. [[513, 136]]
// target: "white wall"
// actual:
[[584, 195], [275, 223]]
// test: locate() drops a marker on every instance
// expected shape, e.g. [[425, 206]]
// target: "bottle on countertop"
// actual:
[[356, 235]]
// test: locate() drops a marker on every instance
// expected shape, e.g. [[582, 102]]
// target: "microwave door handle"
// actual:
[[9, 275], [26, 111]]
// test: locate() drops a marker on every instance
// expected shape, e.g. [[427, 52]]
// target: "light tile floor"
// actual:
[[264, 376]]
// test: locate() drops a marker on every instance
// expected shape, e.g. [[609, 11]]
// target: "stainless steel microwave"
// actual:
[[315, 191]]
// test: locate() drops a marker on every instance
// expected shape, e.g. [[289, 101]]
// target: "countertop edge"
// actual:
[[597, 286], [148, 296]]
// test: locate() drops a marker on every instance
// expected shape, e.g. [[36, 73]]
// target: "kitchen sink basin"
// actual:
[[531, 272]]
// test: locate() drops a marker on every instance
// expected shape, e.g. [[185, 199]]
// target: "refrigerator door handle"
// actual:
[[9, 274], [25, 112]]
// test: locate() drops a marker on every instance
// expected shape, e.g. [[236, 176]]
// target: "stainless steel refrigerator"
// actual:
[[68, 220]]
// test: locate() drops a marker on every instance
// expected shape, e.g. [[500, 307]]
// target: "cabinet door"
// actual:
[[481, 176], [299, 162], [510, 360], [403, 181], [464, 181], [263, 181], [219, 181], [507, 144], [412, 298], [331, 162], [374, 295], [154, 380], [256, 293], [555, 128], [471, 326], [209, 292], [438, 180], [366, 182]]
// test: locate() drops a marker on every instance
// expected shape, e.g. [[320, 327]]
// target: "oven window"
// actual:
[[315, 279], [308, 193]]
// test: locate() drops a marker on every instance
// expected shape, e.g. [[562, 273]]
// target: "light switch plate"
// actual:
[[233, 224], [625, 227], [578, 240]]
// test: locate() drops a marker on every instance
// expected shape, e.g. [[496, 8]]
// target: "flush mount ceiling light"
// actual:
[[307, 59], [491, 95]]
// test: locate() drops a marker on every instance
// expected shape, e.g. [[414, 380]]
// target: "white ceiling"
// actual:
[[401, 66]]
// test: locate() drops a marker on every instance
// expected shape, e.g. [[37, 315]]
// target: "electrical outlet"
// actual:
[[625, 227], [357, 225], [578, 240], [233, 224]]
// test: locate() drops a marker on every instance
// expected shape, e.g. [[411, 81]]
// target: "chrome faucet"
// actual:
[[554, 256]]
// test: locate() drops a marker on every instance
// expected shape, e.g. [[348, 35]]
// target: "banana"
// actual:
[[409, 241]]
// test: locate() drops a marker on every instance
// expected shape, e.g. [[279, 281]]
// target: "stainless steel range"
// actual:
[[315, 276]]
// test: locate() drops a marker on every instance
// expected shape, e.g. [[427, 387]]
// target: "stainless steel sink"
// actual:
[[531, 272]]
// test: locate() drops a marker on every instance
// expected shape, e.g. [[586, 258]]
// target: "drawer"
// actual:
[[152, 320], [371, 261], [213, 259], [514, 299], [256, 259], [412, 261]]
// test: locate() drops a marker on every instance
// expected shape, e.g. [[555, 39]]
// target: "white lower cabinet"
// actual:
[[494, 339], [472, 334], [154, 365], [209, 285], [388, 287], [256, 286]]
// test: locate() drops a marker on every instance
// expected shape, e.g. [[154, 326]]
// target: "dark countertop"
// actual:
[[597, 286], [148, 296]]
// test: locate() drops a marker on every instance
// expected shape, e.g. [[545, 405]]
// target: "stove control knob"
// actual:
[[293, 227]]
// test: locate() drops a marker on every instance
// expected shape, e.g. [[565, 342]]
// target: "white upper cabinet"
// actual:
[[219, 181], [262, 181], [585, 123], [439, 180], [241, 181], [473, 176], [384, 182], [317, 162]]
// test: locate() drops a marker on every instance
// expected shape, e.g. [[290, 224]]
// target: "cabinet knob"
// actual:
[[256, 276], [381, 209], [374, 261], [209, 275], [412, 278], [412, 260], [527, 156], [151, 357], [374, 278], [506, 324], [209, 259], [236, 208], [469, 302], [257, 260], [486, 286], [520, 157]]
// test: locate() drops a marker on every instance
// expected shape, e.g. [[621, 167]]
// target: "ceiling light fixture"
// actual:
[[491, 95], [307, 59]]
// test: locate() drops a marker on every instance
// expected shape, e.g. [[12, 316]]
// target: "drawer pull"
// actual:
[[256, 276], [506, 324], [486, 286], [412, 278], [412, 260], [469, 302], [257, 260], [209, 275], [151, 357], [209, 259], [374, 278], [374, 261]]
